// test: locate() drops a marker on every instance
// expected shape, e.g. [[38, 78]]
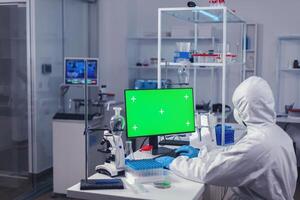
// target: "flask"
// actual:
[[184, 72], [117, 122]]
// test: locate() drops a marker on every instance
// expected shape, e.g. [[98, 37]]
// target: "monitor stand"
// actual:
[[153, 140]]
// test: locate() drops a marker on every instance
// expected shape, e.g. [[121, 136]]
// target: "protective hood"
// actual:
[[254, 101], [261, 165]]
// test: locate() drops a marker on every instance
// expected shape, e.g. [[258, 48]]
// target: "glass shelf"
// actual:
[[290, 70], [172, 38], [292, 37], [203, 14], [176, 67], [193, 64], [210, 64]]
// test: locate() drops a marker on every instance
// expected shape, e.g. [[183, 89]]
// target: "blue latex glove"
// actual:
[[165, 161], [188, 151]]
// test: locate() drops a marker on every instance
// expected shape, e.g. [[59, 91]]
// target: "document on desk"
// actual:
[[136, 188]]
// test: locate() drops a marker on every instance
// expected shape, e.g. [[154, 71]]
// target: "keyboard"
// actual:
[[172, 153], [98, 184], [174, 142], [71, 116]]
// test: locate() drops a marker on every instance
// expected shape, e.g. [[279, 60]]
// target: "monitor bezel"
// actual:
[[85, 60], [162, 134]]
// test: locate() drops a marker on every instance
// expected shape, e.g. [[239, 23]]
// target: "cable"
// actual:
[[143, 142]]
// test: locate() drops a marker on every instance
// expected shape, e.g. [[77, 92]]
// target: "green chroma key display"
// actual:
[[159, 112]]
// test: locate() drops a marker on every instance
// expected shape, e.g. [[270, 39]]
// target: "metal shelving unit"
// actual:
[[149, 45], [198, 15], [285, 73]]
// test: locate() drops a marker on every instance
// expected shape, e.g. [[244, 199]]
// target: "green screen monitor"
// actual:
[[159, 112]]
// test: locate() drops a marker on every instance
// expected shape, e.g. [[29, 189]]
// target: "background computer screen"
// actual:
[[74, 71], [92, 65], [159, 112]]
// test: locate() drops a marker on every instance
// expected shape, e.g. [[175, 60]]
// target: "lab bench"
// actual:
[[179, 187], [286, 119]]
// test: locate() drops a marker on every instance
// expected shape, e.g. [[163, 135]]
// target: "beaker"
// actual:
[[128, 150], [183, 74]]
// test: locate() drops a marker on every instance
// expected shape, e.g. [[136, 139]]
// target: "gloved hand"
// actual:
[[188, 151], [165, 161]]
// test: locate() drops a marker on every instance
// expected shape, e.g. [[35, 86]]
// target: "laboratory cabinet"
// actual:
[[68, 154], [69, 151], [287, 72]]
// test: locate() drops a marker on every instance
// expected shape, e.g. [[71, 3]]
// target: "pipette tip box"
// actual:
[[145, 171]]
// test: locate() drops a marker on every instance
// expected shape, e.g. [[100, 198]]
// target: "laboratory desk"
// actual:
[[180, 189], [289, 120], [286, 120]]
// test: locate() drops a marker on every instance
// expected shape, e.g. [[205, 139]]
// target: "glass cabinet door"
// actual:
[[14, 118]]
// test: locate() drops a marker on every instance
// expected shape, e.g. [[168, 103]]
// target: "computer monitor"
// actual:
[[159, 112], [75, 69]]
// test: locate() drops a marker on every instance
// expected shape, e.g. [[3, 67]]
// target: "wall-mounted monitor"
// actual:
[[74, 70]]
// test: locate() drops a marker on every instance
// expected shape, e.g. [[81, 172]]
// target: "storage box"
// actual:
[[229, 134]]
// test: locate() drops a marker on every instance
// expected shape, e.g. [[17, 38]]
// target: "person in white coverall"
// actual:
[[262, 165]]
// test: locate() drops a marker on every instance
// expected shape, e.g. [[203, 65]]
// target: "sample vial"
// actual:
[[215, 2], [221, 2]]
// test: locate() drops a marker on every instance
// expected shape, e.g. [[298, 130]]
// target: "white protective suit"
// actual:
[[262, 165]]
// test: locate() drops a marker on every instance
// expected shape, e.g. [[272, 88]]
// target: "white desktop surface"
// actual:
[[294, 120], [180, 189]]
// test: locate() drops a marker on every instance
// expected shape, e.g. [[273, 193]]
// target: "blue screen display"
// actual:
[[92, 69], [74, 71]]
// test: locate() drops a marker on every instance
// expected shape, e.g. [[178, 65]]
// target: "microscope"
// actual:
[[113, 145]]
